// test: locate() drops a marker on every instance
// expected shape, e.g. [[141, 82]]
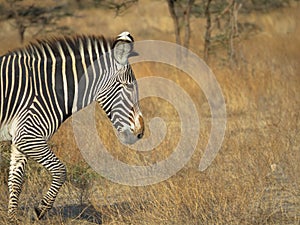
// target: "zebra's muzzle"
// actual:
[[130, 136]]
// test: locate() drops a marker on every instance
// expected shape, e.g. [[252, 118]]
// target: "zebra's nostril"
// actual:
[[140, 135]]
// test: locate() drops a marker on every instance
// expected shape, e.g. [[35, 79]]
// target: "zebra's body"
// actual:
[[45, 83]]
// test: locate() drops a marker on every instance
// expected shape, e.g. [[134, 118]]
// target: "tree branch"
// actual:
[[174, 16]]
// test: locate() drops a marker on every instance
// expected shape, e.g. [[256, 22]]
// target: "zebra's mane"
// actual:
[[77, 42]]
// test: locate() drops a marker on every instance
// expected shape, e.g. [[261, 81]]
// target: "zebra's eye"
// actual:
[[124, 85], [129, 86]]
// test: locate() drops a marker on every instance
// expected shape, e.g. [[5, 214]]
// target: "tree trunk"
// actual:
[[187, 15], [21, 29], [174, 16], [207, 37]]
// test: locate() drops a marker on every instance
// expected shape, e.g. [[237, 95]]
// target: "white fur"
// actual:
[[125, 36]]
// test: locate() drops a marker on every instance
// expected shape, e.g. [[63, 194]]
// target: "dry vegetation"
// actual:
[[253, 180]]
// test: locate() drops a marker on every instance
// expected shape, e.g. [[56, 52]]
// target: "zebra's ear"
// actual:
[[123, 47]]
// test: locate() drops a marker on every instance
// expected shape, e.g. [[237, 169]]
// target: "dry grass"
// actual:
[[253, 180]]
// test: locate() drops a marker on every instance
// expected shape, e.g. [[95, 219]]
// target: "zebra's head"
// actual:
[[119, 98]]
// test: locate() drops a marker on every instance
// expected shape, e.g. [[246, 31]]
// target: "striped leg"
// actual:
[[43, 155], [15, 180]]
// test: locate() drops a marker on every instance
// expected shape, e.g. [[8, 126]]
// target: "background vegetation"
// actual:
[[255, 177]]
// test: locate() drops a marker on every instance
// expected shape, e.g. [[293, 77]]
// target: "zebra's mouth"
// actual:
[[127, 137]]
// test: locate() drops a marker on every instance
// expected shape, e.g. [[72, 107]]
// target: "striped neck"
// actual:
[[79, 68]]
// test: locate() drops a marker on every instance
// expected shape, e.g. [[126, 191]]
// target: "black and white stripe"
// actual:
[[45, 83]]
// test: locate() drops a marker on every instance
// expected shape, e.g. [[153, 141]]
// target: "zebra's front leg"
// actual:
[[46, 157], [15, 181]]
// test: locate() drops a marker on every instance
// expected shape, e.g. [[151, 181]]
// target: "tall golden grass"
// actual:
[[253, 180]]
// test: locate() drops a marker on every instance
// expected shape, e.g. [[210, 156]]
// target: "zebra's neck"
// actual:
[[75, 71]]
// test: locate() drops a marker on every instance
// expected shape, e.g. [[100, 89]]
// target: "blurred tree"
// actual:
[[180, 11], [221, 23], [44, 18], [120, 6], [264, 5]]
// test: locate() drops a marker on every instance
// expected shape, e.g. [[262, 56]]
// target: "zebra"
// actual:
[[43, 84]]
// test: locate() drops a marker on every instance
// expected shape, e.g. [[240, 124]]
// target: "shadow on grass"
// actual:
[[83, 212], [78, 212]]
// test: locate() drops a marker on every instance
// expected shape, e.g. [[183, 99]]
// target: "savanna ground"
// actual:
[[254, 178]]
